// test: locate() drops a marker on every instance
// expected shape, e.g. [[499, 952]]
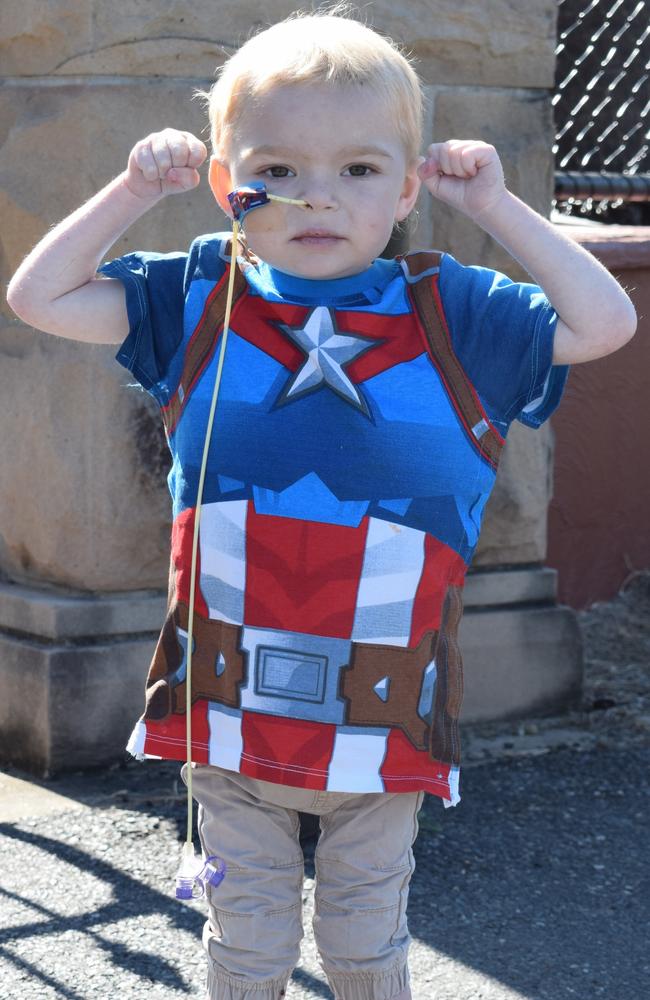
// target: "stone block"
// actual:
[[88, 132], [37, 38], [520, 662], [522, 653], [504, 43], [85, 504], [68, 707], [52, 615], [528, 585], [72, 675]]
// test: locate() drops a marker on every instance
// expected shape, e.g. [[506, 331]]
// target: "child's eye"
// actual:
[[359, 170], [278, 171]]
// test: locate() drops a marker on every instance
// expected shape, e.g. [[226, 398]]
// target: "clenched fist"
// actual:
[[464, 173], [164, 163]]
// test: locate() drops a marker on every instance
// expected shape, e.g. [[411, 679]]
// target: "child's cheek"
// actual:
[[265, 220], [375, 224]]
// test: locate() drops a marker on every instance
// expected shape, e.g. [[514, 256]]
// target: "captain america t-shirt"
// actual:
[[341, 509]]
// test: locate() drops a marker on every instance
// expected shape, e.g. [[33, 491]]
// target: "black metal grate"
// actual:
[[602, 109]]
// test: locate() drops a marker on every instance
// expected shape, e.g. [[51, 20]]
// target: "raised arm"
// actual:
[[595, 315], [56, 288]]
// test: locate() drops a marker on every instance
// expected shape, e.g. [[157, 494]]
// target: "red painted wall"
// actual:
[[599, 518]]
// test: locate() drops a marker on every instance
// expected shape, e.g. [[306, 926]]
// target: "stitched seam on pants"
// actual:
[[258, 913], [274, 865], [373, 868], [357, 911], [335, 974]]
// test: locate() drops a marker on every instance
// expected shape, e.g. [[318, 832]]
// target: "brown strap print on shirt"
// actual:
[[444, 737], [423, 266], [212, 638], [202, 343]]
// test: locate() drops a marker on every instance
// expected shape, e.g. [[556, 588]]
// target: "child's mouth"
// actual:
[[317, 237]]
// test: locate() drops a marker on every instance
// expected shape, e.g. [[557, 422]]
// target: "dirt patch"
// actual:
[[615, 708]]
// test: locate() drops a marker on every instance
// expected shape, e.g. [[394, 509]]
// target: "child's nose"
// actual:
[[320, 195]]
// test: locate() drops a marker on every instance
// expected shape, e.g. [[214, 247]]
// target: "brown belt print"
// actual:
[[417, 690]]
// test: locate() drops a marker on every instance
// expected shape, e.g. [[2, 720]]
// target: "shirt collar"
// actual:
[[365, 287]]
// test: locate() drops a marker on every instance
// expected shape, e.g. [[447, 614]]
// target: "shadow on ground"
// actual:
[[127, 898], [538, 880]]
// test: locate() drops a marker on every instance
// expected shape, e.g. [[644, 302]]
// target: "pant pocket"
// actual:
[[348, 940], [257, 946]]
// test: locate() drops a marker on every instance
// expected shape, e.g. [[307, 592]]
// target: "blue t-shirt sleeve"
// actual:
[[502, 332], [155, 295]]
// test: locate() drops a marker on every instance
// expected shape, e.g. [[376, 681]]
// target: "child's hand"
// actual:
[[464, 173], [164, 163]]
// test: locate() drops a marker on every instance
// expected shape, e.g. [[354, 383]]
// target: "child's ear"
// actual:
[[221, 184], [409, 195]]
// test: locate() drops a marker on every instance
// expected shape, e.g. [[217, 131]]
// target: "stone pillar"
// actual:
[[86, 512], [489, 70]]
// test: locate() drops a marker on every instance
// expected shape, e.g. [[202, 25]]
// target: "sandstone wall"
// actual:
[[83, 490]]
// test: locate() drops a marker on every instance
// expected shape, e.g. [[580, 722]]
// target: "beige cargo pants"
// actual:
[[363, 861]]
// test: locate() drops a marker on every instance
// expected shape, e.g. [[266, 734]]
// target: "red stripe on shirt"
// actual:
[[302, 576], [167, 737], [281, 750], [399, 342], [442, 566], [405, 769], [181, 557], [258, 323]]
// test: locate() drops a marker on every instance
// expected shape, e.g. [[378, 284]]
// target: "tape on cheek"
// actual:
[[244, 199]]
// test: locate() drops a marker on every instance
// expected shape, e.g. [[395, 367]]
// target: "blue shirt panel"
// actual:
[[411, 464], [502, 331]]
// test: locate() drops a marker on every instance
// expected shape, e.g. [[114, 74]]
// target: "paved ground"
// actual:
[[535, 887]]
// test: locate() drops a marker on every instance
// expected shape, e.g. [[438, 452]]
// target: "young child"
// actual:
[[361, 416]]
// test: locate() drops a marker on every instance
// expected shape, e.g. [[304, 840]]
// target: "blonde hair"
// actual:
[[317, 47]]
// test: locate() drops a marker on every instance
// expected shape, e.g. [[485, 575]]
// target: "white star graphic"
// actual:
[[326, 350]]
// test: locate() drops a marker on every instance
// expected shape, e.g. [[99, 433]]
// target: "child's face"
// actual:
[[335, 147]]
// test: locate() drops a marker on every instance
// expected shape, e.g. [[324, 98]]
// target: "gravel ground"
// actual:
[[535, 887]]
